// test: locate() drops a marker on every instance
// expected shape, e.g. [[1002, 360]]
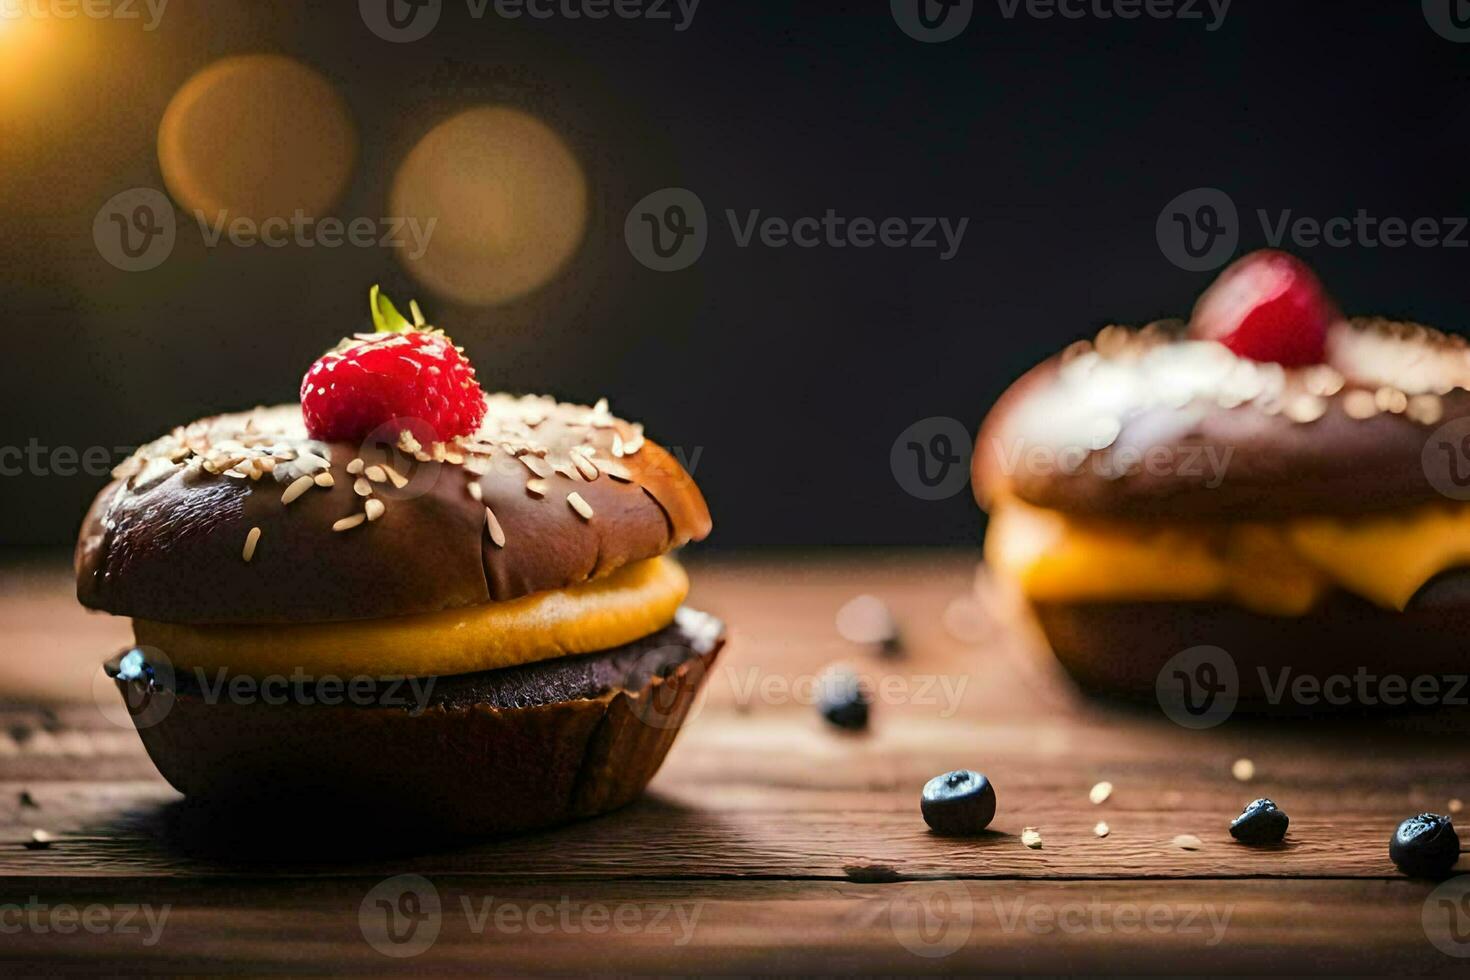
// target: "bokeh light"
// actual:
[[257, 136], [508, 200]]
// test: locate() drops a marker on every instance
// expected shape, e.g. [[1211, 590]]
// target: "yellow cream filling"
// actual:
[[632, 602], [1281, 568]]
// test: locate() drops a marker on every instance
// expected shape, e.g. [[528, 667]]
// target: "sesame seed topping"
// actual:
[[376, 474], [298, 486], [348, 523], [251, 540], [1306, 408], [582, 507], [1390, 400], [536, 488], [497, 533], [394, 477], [1360, 404], [474, 488], [362, 487], [585, 467], [355, 467], [324, 479], [373, 509], [1425, 409]]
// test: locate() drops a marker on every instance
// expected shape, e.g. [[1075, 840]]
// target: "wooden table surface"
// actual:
[[768, 842]]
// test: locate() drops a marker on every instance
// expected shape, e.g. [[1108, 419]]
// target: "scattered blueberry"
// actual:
[[1261, 822], [958, 803], [1425, 846], [843, 699]]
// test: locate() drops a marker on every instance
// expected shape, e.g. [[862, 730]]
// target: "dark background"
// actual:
[[793, 369]]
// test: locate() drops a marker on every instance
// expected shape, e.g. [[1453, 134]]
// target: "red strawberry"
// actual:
[[1268, 306], [406, 373]]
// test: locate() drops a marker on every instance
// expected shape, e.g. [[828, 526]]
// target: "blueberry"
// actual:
[[1425, 846], [958, 803], [1260, 823], [844, 699]]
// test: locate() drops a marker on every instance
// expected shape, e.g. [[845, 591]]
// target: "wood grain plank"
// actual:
[[678, 832], [735, 927]]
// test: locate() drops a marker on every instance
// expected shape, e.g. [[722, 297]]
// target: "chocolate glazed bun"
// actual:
[[495, 752], [1348, 437], [574, 492]]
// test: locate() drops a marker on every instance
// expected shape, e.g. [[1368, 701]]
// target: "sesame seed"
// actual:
[[348, 523], [1102, 829], [1188, 842], [251, 540], [1243, 770], [1426, 409], [376, 474], [615, 470], [1031, 837], [582, 507], [373, 509], [536, 488], [1100, 792], [324, 479], [355, 467], [584, 466], [536, 465], [1359, 405], [1306, 408], [1390, 400], [474, 489], [497, 533], [298, 486], [362, 487], [394, 477]]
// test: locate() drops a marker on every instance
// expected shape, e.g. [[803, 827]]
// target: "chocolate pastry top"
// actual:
[[242, 518], [1147, 424]]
